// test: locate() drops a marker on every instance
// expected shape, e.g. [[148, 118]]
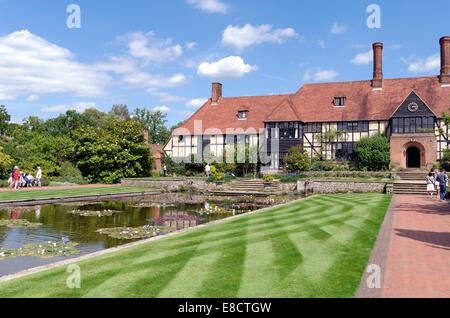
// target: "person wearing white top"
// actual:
[[431, 188], [39, 177]]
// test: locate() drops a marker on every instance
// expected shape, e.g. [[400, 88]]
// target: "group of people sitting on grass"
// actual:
[[437, 183], [19, 179]]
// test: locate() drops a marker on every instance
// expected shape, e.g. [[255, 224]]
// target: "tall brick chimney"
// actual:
[[445, 60], [377, 82], [216, 93]]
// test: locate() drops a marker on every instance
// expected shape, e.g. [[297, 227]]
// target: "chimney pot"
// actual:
[[216, 93], [445, 60], [377, 81]]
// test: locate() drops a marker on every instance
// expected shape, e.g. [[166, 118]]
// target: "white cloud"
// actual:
[[118, 65], [167, 98], [338, 28], [319, 75], [62, 108], [210, 6], [196, 102], [133, 74], [322, 44], [229, 67], [147, 46], [363, 58], [240, 38], [421, 65], [33, 98], [191, 45], [162, 109], [31, 65]]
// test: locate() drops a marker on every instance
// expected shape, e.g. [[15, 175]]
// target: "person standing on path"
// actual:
[[443, 184], [16, 178], [436, 182], [39, 177], [431, 188]]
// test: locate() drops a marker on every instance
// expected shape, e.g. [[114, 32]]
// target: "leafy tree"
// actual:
[[6, 163], [297, 160], [115, 152], [4, 119], [155, 123], [121, 111], [373, 153]]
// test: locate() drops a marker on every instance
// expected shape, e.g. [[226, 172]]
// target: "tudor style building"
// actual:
[[329, 119]]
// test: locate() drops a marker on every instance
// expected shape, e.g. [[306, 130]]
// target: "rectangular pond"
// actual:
[[40, 235]]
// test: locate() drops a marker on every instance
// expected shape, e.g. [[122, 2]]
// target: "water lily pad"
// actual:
[[99, 214], [19, 223], [41, 250], [131, 233]]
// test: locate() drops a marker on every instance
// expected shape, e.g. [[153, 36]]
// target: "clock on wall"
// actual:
[[413, 107]]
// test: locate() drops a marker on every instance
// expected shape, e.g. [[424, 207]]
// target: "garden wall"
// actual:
[[171, 185], [322, 187]]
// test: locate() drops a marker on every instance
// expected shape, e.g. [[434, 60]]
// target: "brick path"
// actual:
[[413, 250]]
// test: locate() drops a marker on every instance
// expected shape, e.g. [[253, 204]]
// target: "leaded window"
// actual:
[[312, 128], [353, 126], [406, 125]]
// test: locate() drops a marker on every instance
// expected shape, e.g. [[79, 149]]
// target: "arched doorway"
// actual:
[[413, 157]]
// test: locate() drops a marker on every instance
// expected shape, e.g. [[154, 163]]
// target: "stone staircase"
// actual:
[[252, 185], [411, 182]]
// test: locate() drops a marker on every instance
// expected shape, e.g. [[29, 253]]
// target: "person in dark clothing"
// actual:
[[442, 178]]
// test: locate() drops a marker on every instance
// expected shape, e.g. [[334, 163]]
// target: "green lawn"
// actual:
[[317, 247], [47, 193]]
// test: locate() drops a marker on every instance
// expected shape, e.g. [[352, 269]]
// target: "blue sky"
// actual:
[[165, 54]]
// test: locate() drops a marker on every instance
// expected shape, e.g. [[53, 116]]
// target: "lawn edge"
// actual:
[[379, 254], [36, 270]]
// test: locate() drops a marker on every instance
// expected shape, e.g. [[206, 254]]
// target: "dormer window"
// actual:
[[339, 101], [242, 115]]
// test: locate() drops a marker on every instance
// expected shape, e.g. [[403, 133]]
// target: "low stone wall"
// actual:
[[323, 187], [172, 185]]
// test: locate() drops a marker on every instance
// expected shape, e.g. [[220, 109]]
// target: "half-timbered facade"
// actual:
[[326, 120]]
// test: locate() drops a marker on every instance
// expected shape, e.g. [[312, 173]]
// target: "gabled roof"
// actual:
[[283, 112], [314, 102], [224, 115]]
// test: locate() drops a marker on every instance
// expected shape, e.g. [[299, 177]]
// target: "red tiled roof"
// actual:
[[224, 115], [314, 103]]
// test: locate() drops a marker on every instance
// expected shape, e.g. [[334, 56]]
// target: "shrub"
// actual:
[[291, 178], [219, 176], [322, 165], [373, 153], [268, 178], [297, 160], [446, 155]]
